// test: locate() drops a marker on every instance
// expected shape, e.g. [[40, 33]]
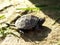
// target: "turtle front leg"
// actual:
[[39, 24]]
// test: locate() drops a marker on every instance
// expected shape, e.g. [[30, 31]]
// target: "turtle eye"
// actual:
[[42, 19]]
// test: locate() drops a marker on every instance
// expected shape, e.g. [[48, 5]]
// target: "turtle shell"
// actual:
[[26, 22]]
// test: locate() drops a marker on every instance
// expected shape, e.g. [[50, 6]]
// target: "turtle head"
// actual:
[[41, 21]]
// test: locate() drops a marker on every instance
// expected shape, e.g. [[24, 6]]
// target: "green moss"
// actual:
[[33, 9], [2, 16]]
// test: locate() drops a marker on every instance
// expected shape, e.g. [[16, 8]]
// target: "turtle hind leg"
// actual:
[[23, 31], [20, 31]]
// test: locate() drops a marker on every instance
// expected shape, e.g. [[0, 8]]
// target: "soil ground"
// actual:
[[49, 34]]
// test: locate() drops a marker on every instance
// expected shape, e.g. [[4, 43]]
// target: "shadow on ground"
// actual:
[[49, 7], [37, 35]]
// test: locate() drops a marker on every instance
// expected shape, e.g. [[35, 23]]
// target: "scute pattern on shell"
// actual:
[[26, 22]]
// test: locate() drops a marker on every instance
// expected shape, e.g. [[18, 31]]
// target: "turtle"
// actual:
[[29, 22]]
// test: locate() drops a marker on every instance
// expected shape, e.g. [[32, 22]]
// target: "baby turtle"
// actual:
[[28, 22]]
